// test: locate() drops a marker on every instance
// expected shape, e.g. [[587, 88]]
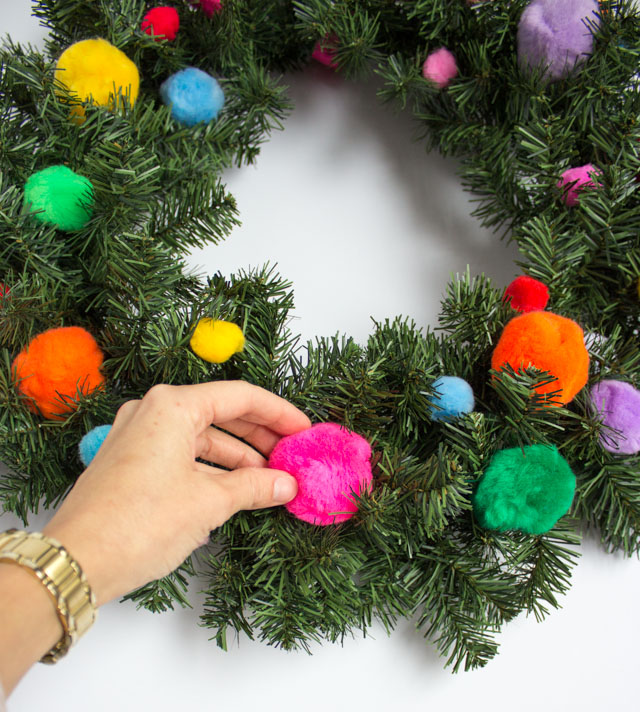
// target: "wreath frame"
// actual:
[[413, 549]]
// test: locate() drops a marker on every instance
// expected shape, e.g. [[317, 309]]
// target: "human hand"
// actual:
[[144, 503]]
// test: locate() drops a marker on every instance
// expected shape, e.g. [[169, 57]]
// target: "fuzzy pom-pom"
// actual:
[[325, 51], [618, 404], [526, 294], [55, 366], [215, 340], [91, 442], [96, 69], [526, 489], [453, 396], [573, 180], [556, 36], [547, 342], [209, 7], [58, 196], [193, 96], [440, 67], [329, 463], [162, 22]]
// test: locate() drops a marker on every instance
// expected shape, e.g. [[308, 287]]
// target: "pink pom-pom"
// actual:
[[330, 463], [581, 177], [325, 51], [440, 67], [210, 7]]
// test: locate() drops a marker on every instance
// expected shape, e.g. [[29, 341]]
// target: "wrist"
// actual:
[[28, 620]]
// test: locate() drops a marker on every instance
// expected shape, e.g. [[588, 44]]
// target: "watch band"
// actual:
[[61, 575]]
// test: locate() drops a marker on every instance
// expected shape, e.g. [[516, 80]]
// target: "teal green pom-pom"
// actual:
[[58, 196], [527, 489], [91, 442], [453, 396]]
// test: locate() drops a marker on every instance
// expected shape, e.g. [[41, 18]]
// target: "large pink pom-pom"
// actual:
[[440, 67], [330, 463]]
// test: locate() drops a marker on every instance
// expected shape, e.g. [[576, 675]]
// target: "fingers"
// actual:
[[222, 449], [248, 488], [259, 436], [221, 402]]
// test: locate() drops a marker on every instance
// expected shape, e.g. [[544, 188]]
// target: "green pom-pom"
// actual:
[[527, 489], [61, 197]]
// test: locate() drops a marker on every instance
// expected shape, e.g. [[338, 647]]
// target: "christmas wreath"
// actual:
[[453, 469]]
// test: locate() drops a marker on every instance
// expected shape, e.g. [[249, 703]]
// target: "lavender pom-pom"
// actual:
[[618, 404], [557, 35]]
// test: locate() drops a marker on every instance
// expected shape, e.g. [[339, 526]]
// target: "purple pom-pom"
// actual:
[[330, 463], [556, 35], [618, 404]]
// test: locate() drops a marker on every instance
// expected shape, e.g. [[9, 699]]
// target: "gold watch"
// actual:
[[61, 575]]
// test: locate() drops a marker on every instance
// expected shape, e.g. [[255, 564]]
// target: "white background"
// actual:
[[365, 225]]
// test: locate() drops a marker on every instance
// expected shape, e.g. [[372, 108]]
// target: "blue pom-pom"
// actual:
[[90, 443], [453, 396], [193, 95]]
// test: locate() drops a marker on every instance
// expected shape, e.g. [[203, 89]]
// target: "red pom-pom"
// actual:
[[55, 366], [527, 294], [4, 291], [163, 22]]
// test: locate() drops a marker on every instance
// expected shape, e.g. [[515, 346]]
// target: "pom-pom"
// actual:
[[547, 342], [453, 396], [618, 404], [193, 95], [60, 197], [91, 68], [573, 180], [556, 36], [4, 292], [91, 442], [55, 366], [325, 51], [526, 294], [527, 489], [440, 67], [162, 22], [216, 341], [209, 7], [330, 463]]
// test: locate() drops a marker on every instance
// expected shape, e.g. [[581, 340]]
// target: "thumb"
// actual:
[[256, 487]]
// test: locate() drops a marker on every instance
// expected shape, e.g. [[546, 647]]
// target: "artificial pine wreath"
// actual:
[[487, 428]]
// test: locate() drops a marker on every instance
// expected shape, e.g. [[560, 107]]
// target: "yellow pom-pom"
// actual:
[[216, 341], [96, 69]]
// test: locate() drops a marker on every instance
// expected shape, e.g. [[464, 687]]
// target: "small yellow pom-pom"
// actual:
[[216, 341], [96, 69]]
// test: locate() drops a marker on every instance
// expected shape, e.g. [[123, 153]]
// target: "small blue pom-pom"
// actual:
[[453, 396], [90, 443], [193, 96]]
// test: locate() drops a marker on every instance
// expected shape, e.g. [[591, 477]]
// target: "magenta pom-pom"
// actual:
[[578, 179], [325, 51], [209, 7], [440, 67], [330, 464]]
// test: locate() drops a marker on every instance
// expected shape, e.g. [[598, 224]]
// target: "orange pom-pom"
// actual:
[[57, 365], [547, 342]]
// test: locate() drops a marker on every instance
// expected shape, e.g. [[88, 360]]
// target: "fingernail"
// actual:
[[284, 489]]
